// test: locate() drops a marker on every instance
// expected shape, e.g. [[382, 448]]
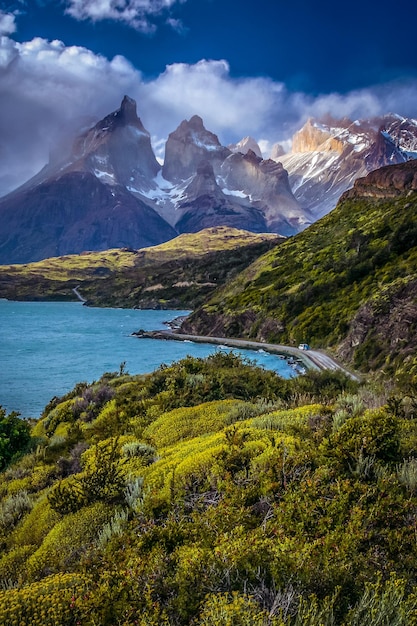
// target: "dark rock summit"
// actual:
[[117, 149]]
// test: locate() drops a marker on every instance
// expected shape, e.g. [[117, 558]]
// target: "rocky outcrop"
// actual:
[[312, 137], [383, 151], [277, 151], [386, 182], [117, 149], [384, 325], [265, 182], [229, 325], [219, 186]]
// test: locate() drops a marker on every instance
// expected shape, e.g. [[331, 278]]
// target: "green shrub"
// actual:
[[374, 434], [103, 479], [384, 604], [14, 436], [12, 566]]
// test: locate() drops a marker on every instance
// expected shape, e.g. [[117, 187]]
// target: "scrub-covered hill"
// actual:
[[349, 281], [212, 493]]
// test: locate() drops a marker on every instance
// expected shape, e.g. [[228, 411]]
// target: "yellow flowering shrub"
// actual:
[[177, 463], [288, 420], [189, 422], [62, 546], [19, 484], [111, 420], [234, 609], [62, 429], [61, 413], [36, 524], [12, 565], [38, 430], [50, 602]]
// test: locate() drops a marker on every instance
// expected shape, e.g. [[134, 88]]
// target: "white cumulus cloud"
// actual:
[[136, 13], [7, 23]]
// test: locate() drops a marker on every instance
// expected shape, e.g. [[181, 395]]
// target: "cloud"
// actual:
[[7, 23], [257, 106], [47, 89], [138, 14]]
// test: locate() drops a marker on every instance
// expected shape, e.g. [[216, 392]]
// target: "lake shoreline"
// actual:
[[294, 356], [299, 360]]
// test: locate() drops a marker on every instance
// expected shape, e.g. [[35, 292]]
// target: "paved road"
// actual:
[[312, 359]]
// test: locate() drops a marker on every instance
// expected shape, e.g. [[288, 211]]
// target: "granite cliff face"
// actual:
[[213, 184], [313, 138], [204, 204], [265, 182], [117, 150]]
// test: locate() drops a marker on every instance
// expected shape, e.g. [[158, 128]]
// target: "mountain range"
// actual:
[[327, 156], [111, 191]]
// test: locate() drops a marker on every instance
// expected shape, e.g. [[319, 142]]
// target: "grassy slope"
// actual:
[[312, 287], [108, 278]]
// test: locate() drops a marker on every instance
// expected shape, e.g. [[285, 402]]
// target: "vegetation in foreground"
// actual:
[[212, 492]]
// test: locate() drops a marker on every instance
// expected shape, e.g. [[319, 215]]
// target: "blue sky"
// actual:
[[247, 67]]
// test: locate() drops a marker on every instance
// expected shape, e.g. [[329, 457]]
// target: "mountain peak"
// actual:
[[190, 143], [246, 144], [196, 122], [128, 110]]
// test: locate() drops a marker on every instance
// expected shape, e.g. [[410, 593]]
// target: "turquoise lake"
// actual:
[[47, 347]]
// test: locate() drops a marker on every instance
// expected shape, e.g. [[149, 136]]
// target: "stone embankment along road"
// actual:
[[312, 359]]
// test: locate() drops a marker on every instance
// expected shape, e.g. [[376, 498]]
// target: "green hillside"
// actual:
[[212, 493], [348, 282], [176, 274]]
